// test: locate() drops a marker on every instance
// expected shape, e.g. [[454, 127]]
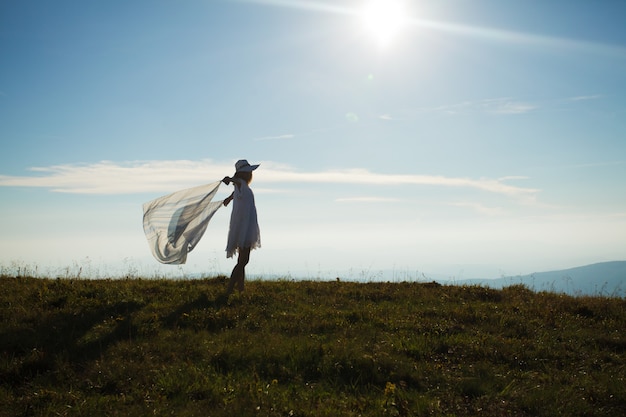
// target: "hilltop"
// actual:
[[136, 347], [604, 279]]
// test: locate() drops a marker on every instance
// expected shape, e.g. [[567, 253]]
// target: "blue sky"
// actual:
[[462, 139]]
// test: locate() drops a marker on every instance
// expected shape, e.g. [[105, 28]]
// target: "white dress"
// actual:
[[244, 227]]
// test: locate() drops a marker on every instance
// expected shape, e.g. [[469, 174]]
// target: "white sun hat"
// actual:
[[243, 166]]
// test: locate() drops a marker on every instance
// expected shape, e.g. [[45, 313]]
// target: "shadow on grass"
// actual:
[[203, 302], [66, 337], [63, 336]]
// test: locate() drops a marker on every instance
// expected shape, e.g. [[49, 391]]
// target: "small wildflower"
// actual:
[[390, 389]]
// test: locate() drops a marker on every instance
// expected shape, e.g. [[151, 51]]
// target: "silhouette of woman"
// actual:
[[243, 234]]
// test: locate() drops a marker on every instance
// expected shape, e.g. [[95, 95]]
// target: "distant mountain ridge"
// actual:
[[604, 279]]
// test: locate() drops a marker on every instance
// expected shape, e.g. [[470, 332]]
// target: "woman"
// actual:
[[244, 234]]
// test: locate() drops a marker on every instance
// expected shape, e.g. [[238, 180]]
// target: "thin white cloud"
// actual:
[[480, 208], [108, 177], [513, 178], [586, 98], [299, 135], [501, 106], [596, 164], [511, 107], [362, 176], [498, 106], [278, 137], [449, 108], [368, 200]]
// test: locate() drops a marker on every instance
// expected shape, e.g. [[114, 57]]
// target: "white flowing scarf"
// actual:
[[174, 224]]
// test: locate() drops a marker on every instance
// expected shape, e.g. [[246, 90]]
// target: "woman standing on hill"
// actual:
[[243, 234]]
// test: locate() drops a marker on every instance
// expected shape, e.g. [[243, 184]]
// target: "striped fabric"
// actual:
[[175, 223]]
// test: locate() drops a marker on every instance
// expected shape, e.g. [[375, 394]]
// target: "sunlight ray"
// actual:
[[315, 6], [486, 33], [512, 37]]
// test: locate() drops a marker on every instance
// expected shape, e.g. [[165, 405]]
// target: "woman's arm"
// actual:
[[227, 180], [234, 180], [228, 199]]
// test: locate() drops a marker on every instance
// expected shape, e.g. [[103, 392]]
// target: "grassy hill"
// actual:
[[165, 347], [603, 279]]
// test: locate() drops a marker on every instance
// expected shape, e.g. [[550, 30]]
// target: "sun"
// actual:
[[383, 20]]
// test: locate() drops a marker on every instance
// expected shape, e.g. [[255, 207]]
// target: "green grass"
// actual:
[[179, 347]]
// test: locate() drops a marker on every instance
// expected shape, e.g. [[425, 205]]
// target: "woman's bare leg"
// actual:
[[244, 258], [238, 275]]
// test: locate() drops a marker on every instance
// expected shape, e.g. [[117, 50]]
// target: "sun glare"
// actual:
[[383, 19]]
